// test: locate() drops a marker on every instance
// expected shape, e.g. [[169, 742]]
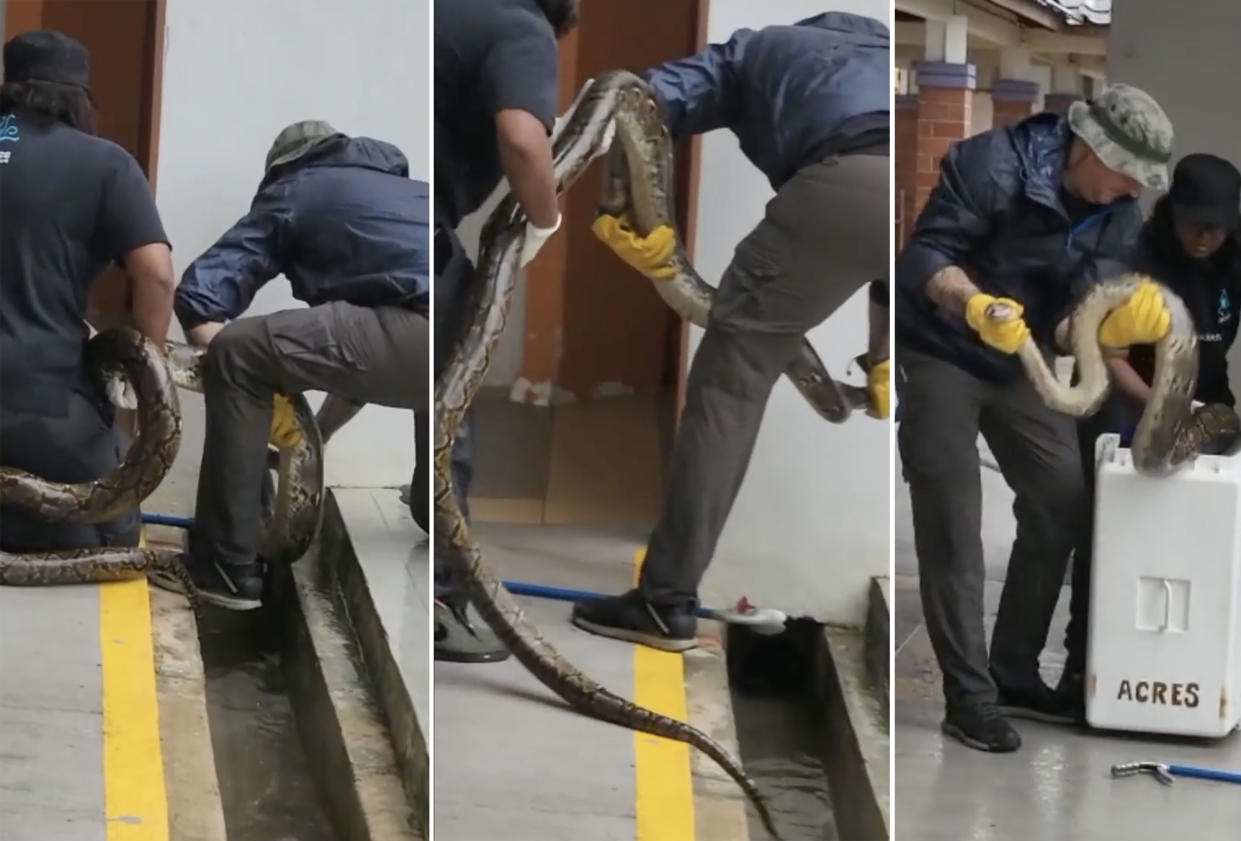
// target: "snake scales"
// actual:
[[136, 376], [1169, 434], [612, 105]]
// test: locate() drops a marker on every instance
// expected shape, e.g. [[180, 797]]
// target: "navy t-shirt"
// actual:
[[70, 203], [490, 55]]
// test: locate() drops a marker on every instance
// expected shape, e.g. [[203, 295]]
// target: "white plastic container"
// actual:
[[1165, 599]]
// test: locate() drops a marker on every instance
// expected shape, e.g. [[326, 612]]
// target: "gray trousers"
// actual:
[[369, 355], [79, 447], [942, 410], [823, 236]]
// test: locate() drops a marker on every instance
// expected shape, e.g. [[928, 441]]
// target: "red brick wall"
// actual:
[[943, 119]]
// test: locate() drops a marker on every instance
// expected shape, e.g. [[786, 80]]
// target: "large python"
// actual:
[[136, 376], [1169, 434], [601, 111]]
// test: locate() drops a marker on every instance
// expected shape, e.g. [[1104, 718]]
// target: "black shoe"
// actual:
[[631, 617], [1032, 700], [1070, 695], [458, 640], [224, 585], [982, 727]]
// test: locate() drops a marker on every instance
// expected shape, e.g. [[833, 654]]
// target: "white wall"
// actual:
[[238, 71], [810, 525], [1188, 61]]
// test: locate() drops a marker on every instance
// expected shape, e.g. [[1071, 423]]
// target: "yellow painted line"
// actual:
[[664, 790], [135, 803]]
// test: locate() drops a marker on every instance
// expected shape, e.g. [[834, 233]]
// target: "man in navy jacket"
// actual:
[[809, 105], [1032, 215], [340, 218]]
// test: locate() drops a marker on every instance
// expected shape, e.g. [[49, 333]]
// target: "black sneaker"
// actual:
[[1070, 696], [982, 727], [631, 617], [458, 640], [1033, 700], [224, 585]]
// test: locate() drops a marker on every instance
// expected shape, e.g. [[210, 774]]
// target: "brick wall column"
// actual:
[[1012, 101], [944, 106], [905, 143]]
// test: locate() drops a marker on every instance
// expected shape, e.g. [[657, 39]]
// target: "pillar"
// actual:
[[946, 82], [1012, 101], [905, 152], [1065, 89]]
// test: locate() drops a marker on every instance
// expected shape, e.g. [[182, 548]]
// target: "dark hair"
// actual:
[[1166, 246], [561, 13], [51, 101]]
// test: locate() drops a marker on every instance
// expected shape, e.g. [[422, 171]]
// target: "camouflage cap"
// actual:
[[297, 139], [1129, 132]]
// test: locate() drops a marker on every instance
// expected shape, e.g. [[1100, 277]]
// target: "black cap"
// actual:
[[46, 56], [1207, 190]]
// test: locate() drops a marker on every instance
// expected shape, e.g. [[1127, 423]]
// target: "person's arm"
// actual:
[[878, 328], [526, 157], [130, 225], [150, 269], [1127, 379], [519, 85], [699, 92], [957, 215], [219, 285]]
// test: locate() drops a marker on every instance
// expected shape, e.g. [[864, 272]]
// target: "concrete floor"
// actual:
[[513, 761], [1058, 785]]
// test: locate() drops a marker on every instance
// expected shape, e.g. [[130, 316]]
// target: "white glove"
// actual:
[[535, 238]]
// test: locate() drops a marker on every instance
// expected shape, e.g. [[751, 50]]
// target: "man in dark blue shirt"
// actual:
[[496, 87], [809, 105], [340, 218], [70, 204]]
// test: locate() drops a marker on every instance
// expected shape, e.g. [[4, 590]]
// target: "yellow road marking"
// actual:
[[135, 802], [664, 791]]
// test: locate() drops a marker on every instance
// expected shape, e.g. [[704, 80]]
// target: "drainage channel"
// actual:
[[789, 716], [266, 789]]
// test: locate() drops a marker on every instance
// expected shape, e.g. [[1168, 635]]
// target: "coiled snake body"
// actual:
[[1169, 434], [123, 358], [609, 106]]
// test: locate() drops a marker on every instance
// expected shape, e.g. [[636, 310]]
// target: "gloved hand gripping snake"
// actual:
[[585, 133], [136, 376], [1169, 435]]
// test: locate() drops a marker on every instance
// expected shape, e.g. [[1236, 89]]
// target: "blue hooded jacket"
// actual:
[[793, 95], [343, 223], [998, 214]]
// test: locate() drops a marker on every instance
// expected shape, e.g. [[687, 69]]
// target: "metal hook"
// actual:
[[1158, 769]]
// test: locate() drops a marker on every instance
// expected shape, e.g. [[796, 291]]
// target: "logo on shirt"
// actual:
[[8, 129], [1223, 311]]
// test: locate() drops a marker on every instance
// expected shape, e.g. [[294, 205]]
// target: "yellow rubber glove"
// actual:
[[284, 432], [649, 255], [1004, 336], [1141, 320], [878, 383]]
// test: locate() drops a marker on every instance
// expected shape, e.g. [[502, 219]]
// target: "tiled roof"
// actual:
[[1096, 12]]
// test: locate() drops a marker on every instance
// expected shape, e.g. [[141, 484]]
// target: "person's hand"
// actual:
[[536, 237], [650, 255], [1141, 320], [1005, 334], [284, 432], [202, 334], [878, 384]]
